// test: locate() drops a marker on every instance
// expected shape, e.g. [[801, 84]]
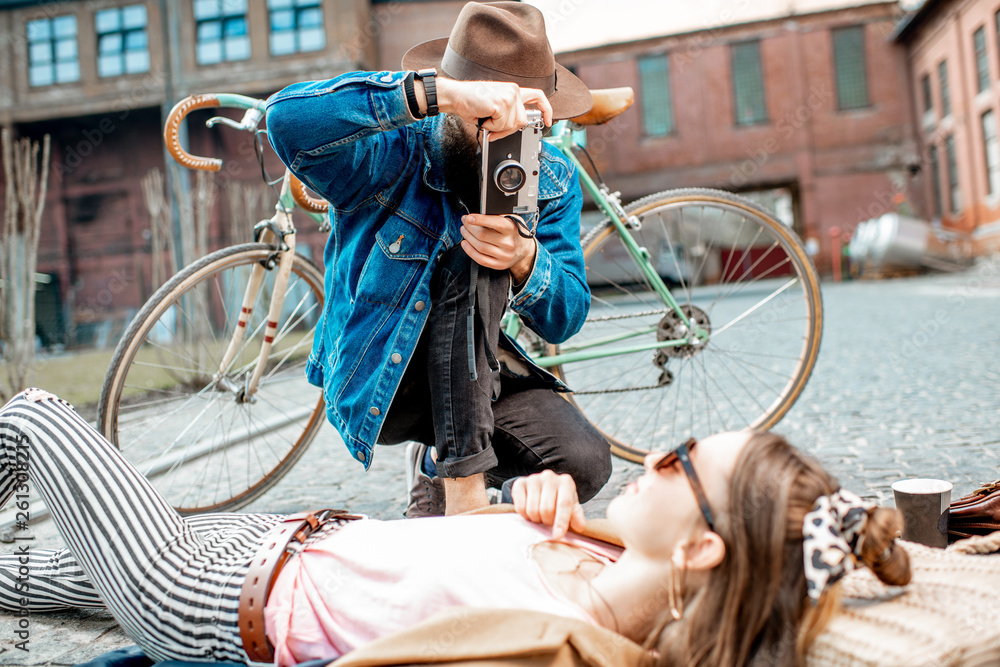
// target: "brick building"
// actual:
[[954, 63], [99, 77], [807, 104], [804, 103]]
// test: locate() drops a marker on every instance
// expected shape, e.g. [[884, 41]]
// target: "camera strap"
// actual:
[[523, 228], [479, 291], [470, 320]]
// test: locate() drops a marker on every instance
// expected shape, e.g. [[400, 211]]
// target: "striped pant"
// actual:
[[172, 583]]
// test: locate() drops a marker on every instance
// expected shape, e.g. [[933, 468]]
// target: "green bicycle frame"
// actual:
[[562, 140]]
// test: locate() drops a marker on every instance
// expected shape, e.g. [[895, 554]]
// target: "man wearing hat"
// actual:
[[395, 154]]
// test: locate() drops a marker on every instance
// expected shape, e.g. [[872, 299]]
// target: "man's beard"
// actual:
[[461, 162]]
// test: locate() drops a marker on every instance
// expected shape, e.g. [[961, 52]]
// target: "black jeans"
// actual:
[[501, 425]]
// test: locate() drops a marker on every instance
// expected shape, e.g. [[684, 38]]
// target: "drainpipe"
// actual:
[[170, 24]]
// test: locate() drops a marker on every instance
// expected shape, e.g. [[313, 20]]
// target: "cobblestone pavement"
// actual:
[[907, 385]]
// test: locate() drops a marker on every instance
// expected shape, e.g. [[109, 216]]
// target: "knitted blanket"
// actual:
[[948, 615]]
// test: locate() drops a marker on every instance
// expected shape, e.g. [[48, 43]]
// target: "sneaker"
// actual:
[[426, 493]]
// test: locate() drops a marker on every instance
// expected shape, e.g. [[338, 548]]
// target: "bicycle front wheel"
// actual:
[[742, 276], [192, 429]]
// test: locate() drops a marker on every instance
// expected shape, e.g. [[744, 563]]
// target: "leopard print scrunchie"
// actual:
[[831, 539]]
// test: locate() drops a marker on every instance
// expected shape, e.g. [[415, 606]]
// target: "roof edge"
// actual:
[[914, 20]]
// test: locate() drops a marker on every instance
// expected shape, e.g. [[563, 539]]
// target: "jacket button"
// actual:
[[387, 78], [418, 306], [396, 358], [375, 411], [361, 457]]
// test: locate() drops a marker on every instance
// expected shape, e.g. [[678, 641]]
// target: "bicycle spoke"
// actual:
[[755, 307], [742, 277], [154, 426], [743, 364], [704, 261], [210, 447]]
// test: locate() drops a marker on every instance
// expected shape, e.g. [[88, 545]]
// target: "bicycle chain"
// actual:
[[616, 391], [608, 318]]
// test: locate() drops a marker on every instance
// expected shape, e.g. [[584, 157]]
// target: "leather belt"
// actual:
[[264, 569]]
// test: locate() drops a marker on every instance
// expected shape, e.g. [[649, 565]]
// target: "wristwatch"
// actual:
[[430, 89]]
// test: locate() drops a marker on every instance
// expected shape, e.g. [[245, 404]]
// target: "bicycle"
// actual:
[[648, 368]]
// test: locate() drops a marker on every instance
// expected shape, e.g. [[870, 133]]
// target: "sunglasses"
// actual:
[[682, 453]]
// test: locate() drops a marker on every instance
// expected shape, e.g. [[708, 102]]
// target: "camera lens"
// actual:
[[509, 176]]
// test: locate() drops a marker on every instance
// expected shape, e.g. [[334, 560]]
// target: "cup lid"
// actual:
[[921, 486]]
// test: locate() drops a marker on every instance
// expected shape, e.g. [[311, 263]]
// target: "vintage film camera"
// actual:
[[510, 173]]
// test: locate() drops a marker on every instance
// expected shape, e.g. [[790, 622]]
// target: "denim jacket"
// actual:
[[352, 140]]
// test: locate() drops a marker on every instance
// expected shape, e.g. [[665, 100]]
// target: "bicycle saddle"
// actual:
[[608, 103]]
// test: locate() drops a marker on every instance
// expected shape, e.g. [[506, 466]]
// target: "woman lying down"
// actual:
[[732, 547]]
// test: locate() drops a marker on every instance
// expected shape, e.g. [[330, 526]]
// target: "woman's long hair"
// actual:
[[754, 609]]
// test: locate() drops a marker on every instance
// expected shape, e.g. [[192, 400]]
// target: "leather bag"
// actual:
[[975, 514]]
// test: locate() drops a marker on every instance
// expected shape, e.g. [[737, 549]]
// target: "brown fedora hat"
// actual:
[[503, 41]]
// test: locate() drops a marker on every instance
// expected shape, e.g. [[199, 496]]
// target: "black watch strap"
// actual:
[[411, 97], [428, 77]]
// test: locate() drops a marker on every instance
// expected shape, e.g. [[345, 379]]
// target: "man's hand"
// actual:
[[492, 241], [502, 104], [549, 499]]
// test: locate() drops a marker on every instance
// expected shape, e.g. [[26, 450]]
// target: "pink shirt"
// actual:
[[372, 578]]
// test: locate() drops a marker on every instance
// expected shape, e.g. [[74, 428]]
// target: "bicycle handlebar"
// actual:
[[173, 126]]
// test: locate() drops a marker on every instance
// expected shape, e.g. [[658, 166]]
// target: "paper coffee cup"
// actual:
[[924, 505]]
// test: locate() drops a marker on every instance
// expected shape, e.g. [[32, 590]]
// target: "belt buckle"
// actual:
[[314, 520]]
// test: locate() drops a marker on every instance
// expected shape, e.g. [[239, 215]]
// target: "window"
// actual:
[[849, 65], [928, 100], [296, 26], [657, 109], [943, 84], [52, 56], [925, 87], [954, 196], [992, 152], [221, 27], [748, 84], [982, 67], [997, 21], [122, 44], [936, 178]]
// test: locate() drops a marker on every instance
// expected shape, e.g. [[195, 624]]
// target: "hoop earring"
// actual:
[[675, 593]]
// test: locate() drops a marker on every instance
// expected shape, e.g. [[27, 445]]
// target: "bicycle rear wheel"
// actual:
[[743, 276], [187, 428]]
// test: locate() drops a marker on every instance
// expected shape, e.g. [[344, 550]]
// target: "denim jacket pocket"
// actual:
[[400, 253]]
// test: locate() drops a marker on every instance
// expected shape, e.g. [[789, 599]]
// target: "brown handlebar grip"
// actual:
[[173, 125], [303, 199]]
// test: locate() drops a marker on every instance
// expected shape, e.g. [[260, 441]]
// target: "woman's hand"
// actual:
[[502, 104], [551, 500], [492, 241]]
